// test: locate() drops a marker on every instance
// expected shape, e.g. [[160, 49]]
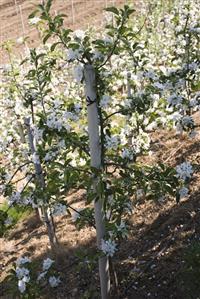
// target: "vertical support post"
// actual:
[[16, 7], [72, 6], [95, 154], [1, 43], [22, 20], [23, 26]]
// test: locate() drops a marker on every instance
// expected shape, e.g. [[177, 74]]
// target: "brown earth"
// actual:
[[14, 18], [148, 263]]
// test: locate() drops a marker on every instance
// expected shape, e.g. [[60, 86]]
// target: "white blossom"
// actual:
[[112, 142], [105, 101], [127, 154], [79, 34], [139, 193], [21, 272], [122, 228], [184, 170], [20, 40], [22, 286], [72, 54], [35, 158], [34, 20], [159, 85], [174, 100], [108, 247], [22, 260], [59, 209], [183, 192], [187, 120], [14, 198], [54, 281], [47, 264]]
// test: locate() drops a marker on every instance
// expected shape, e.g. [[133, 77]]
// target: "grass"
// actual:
[[15, 214]]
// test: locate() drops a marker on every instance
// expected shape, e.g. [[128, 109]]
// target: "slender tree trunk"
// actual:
[[40, 178], [95, 153], [21, 131]]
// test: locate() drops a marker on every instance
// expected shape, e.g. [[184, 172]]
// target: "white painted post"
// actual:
[[22, 20], [16, 7], [72, 6], [23, 26], [1, 42], [95, 154]]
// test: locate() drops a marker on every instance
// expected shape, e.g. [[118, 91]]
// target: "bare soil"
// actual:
[[14, 19]]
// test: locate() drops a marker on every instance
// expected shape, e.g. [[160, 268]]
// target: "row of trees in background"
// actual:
[[79, 113]]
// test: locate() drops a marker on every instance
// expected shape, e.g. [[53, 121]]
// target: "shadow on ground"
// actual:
[[148, 264]]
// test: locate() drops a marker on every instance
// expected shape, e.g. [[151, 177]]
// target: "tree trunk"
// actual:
[[40, 178], [95, 154]]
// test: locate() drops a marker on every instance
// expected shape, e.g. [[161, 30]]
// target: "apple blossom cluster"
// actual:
[[184, 170], [14, 198], [108, 247], [25, 275], [183, 192], [59, 209], [22, 273]]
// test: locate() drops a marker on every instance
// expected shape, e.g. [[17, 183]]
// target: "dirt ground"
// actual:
[[14, 18], [148, 263]]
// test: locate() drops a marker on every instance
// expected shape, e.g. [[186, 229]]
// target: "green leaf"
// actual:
[[196, 86], [32, 15], [40, 55], [24, 61], [63, 15], [48, 5], [113, 10], [41, 7], [31, 73], [47, 37], [54, 46]]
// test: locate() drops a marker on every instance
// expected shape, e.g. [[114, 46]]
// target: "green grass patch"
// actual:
[[10, 216]]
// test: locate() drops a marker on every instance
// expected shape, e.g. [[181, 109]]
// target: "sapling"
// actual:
[[46, 217]]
